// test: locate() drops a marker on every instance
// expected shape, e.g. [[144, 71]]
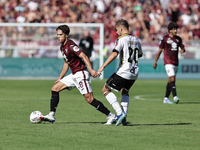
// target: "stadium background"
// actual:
[[32, 52]]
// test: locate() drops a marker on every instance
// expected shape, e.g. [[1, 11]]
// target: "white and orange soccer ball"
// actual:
[[35, 117]]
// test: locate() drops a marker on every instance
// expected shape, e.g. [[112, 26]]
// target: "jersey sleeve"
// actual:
[[162, 43], [182, 46], [75, 49], [140, 48], [118, 45]]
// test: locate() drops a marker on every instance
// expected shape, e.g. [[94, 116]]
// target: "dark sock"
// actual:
[[168, 90], [173, 88], [100, 107], [54, 100]]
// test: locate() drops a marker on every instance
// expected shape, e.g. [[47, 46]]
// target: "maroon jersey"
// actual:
[[71, 52], [171, 46]]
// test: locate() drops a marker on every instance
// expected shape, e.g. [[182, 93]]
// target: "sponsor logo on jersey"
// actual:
[[76, 49], [132, 42]]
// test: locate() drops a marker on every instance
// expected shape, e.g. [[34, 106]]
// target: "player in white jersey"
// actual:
[[130, 50]]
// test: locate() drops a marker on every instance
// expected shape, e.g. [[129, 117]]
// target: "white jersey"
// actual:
[[129, 48]]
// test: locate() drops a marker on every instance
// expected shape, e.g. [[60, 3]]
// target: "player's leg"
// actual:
[[125, 98], [167, 93], [125, 104], [54, 101], [65, 83], [97, 104], [81, 80], [171, 75], [114, 82], [112, 99], [168, 90], [172, 80], [100, 107], [173, 89], [125, 94]]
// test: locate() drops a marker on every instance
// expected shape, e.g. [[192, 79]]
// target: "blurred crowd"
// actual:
[[148, 18]]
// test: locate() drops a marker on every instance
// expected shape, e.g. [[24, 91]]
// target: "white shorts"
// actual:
[[80, 80], [171, 70]]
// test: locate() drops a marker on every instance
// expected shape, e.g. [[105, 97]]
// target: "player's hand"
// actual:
[[182, 51], [94, 73], [57, 80], [100, 70], [154, 65]]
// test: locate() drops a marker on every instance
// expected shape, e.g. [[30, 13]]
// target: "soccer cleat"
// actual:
[[110, 119], [176, 100], [167, 101], [49, 118], [120, 118], [124, 122]]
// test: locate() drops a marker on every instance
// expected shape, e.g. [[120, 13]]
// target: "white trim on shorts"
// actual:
[[80, 80], [171, 70]]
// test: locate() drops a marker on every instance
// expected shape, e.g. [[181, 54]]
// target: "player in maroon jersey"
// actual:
[[76, 60], [170, 43]]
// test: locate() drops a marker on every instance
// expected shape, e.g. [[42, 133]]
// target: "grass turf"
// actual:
[[152, 124]]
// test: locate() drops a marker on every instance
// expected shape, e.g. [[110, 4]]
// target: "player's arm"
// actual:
[[64, 70], [157, 57], [140, 55], [112, 56], [140, 50], [182, 51], [88, 64], [182, 46]]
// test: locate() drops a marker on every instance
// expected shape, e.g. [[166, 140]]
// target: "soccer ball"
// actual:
[[35, 117]]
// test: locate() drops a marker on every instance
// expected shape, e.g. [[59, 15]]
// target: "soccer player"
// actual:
[[170, 43], [76, 60], [129, 49]]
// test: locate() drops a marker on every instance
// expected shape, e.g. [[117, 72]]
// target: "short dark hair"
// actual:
[[64, 28], [172, 25], [123, 23]]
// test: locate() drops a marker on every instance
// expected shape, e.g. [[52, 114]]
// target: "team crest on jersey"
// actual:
[[169, 41], [76, 49], [66, 50]]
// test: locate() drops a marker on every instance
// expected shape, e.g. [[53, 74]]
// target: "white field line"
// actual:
[[148, 97]]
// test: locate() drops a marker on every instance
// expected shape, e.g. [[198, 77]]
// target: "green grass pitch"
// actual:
[[152, 124]]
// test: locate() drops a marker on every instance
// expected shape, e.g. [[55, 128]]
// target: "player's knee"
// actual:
[[105, 89], [171, 79], [88, 98], [56, 88], [124, 92]]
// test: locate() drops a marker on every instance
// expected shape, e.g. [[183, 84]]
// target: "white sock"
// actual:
[[52, 113], [112, 99], [125, 103], [111, 114]]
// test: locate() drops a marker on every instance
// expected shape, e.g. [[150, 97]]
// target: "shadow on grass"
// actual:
[[165, 124], [189, 103], [128, 123], [73, 122]]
